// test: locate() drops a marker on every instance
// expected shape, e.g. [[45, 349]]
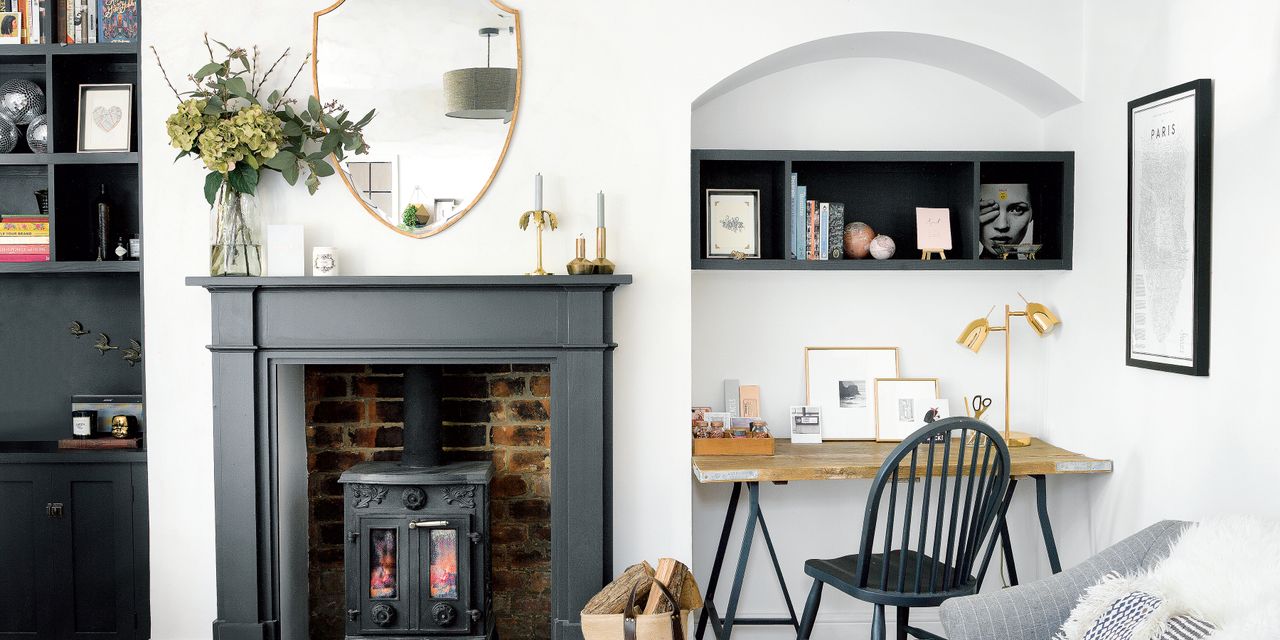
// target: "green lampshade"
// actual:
[[480, 93]]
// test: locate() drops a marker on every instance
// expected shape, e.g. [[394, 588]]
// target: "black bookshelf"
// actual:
[[42, 298], [883, 189]]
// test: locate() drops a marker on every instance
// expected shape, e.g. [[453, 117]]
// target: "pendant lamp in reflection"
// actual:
[[481, 93]]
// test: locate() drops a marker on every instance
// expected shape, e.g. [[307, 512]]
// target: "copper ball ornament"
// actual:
[[857, 240]]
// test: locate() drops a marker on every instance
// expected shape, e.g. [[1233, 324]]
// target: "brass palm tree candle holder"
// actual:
[[540, 219]]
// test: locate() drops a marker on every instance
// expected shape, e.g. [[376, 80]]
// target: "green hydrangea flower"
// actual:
[[220, 147], [258, 131], [185, 124]]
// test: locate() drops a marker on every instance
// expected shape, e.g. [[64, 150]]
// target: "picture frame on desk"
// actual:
[[903, 405], [806, 424], [841, 380], [1170, 229], [105, 121], [733, 223]]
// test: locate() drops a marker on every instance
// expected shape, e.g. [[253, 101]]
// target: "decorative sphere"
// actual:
[[882, 247], [9, 135], [21, 100], [857, 239], [38, 134]]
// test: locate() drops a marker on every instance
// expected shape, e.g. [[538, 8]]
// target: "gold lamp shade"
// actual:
[[1041, 319], [974, 335]]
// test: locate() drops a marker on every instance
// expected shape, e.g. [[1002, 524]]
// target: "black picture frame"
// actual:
[[1196, 362]]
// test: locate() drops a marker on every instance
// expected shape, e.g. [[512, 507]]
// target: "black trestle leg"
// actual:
[[904, 619], [810, 611]]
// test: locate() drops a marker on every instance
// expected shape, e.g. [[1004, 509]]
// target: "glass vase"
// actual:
[[235, 234]]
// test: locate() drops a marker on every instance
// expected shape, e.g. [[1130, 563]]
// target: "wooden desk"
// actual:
[[850, 461]]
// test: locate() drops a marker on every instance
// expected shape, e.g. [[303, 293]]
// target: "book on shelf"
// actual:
[[6, 241], [29, 248], [24, 257], [835, 249], [24, 229], [824, 223], [117, 20], [800, 221], [811, 230], [791, 214], [91, 24]]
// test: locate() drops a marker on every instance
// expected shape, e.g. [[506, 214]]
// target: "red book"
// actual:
[[25, 257], [24, 249]]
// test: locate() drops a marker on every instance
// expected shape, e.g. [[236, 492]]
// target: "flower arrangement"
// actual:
[[224, 122]]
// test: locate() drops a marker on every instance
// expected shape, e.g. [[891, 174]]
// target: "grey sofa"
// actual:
[[1036, 611]]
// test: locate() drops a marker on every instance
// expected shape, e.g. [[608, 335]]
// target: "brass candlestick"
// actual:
[[580, 265], [602, 263], [540, 218]]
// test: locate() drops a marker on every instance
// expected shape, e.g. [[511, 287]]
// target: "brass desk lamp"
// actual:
[[1042, 321]]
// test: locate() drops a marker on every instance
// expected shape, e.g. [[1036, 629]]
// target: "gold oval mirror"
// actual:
[[445, 77]]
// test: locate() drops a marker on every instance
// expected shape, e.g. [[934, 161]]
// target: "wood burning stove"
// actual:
[[417, 553]]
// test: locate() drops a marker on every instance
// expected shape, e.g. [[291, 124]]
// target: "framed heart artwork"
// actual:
[[106, 118]]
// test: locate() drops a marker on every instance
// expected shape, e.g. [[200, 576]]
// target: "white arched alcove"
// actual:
[[1036, 91], [864, 91]]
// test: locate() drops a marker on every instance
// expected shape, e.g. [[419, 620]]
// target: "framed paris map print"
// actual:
[[1170, 184]]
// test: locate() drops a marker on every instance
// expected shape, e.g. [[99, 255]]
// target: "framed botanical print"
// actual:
[[840, 380], [733, 223], [105, 122], [1170, 184], [903, 405]]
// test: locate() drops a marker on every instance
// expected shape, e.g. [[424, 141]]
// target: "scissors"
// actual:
[[980, 405]]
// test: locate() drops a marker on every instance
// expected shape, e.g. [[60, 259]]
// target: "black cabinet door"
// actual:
[[94, 563], [25, 553]]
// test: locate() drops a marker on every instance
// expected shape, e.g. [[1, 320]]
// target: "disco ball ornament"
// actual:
[[882, 247], [9, 135], [21, 100], [38, 134], [857, 238]]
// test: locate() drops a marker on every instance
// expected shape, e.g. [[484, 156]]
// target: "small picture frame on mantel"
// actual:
[[733, 223], [105, 122]]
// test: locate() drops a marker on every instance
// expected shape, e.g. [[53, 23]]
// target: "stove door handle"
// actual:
[[428, 524]]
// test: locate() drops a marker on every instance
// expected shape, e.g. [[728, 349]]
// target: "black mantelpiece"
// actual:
[[260, 324]]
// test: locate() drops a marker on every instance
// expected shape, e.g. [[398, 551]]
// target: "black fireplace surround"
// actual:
[[260, 324]]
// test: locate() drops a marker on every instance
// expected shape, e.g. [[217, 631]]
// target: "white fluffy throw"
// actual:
[[1225, 571]]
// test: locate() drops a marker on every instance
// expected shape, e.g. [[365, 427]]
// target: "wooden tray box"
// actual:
[[733, 446]]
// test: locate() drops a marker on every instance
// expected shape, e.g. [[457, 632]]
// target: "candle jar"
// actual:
[[83, 423]]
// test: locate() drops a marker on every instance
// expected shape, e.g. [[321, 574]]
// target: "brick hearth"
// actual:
[[498, 412]]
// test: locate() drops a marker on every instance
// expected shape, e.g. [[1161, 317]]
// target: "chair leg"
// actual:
[[877, 623], [810, 611], [904, 616]]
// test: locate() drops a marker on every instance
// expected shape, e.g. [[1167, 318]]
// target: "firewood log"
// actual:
[[613, 598], [671, 574]]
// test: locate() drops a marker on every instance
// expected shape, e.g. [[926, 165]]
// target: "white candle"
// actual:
[[600, 209], [537, 192]]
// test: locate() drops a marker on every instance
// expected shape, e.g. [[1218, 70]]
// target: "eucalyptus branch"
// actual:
[[165, 74], [206, 46]]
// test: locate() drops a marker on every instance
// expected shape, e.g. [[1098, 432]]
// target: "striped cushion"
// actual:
[[1123, 616], [1186, 628]]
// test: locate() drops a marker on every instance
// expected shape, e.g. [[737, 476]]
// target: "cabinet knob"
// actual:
[[54, 510]]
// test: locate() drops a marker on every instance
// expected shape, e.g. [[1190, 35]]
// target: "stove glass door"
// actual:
[[444, 581]]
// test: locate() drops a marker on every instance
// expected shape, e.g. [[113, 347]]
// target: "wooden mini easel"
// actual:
[[927, 254]]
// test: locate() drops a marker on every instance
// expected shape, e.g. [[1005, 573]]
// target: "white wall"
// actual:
[[748, 325], [606, 106], [1184, 447]]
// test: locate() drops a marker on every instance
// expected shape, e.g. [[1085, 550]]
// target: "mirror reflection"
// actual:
[[444, 76]]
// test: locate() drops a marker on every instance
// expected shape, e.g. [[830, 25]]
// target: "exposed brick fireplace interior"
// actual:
[[490, 412]]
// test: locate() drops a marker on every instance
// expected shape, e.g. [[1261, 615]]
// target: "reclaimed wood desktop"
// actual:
[[849, 461]]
